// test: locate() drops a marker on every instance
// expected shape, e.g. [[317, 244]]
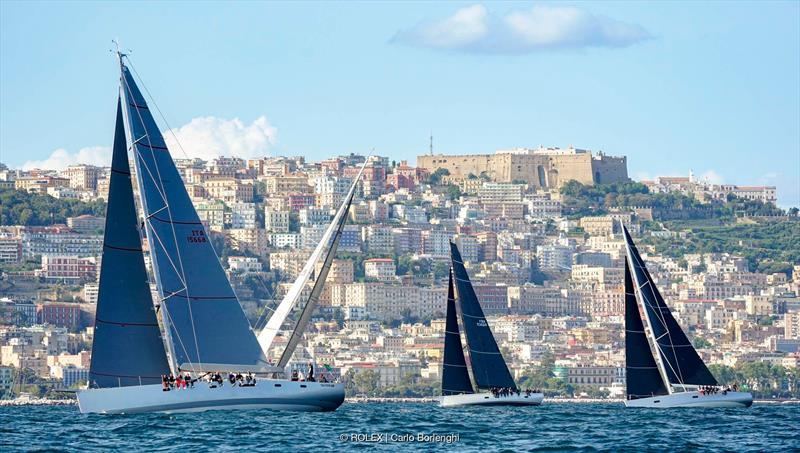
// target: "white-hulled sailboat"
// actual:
[[205, 328], [486, 361], [675, 376]]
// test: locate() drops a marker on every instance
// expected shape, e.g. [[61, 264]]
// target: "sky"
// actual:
[[712, 88]]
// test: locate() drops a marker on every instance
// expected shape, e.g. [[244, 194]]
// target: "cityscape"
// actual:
[[538, 228]]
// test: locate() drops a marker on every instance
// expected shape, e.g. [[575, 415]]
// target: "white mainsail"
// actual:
[[267, 335]]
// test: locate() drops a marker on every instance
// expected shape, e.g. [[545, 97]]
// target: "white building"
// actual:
[[382, 269], [276, 221]]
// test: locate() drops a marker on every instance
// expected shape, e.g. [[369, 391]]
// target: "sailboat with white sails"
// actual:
[[675, 376], [488, 367], [205, 328]]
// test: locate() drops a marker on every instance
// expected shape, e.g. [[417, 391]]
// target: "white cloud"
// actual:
[[541, 28], [642, 176], [61, 158], [204, 137], [209, 137]]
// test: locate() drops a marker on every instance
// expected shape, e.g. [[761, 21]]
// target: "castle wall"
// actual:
[[538, 170], [608, 169]]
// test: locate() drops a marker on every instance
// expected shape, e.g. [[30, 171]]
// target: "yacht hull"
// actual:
[[694, 399], [267, 394], [487, 399]]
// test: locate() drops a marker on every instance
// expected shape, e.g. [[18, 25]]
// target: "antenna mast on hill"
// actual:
[[431, 145]]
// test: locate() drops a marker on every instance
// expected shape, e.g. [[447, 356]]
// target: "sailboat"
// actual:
[[488, 367], [205, 329], [675, 376]]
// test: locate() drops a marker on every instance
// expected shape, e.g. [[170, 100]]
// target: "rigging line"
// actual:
[[169, 211], [169, 128], [660, 317], [139, 161], [266, 307], [663, 320]]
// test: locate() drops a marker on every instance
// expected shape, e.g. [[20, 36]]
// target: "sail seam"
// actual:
[[137, 324], [123, 249]]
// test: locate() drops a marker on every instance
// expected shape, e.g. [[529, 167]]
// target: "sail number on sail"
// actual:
[[197, 236]]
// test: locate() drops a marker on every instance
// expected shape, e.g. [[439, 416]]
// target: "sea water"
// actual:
[[410, 426]]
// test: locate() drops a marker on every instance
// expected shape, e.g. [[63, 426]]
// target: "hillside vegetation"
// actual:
[[19, 207]]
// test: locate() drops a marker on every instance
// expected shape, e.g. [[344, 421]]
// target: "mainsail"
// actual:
[[642, 376], [488, 366], [267, 335], [204, 322], [127, 348], [455, 376], [681, 363]]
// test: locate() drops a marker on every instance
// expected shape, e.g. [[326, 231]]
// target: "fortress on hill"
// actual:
[[541, 167]]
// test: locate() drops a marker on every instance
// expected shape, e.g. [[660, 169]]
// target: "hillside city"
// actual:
[[538, 229]]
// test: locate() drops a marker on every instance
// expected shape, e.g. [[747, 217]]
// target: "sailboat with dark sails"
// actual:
[[488, 367], [205, 329], [675, 376]]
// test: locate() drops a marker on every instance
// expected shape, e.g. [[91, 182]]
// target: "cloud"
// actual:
[[209, 137], [204, 137], [542, 28], [61, 158], [643, 176]]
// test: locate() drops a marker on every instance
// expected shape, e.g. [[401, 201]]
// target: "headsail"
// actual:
[[313, 298], [455, 376], [642, 376], [205, 325], [682, 365], [127, 348], [488, 366], [267, 335]]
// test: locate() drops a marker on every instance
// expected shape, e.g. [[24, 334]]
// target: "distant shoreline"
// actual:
[[49, 402]]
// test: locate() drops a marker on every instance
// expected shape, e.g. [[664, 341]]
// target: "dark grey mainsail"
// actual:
[[641, 371], [127, 348], [682, 365], [205, 325], [488, 367], [455, 376]]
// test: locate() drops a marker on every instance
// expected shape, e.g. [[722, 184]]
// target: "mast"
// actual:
[[642, 375], [488, 366], [678, 361], [268, 333], [205, 325], [649, 332], [127, 348], [455, 375]]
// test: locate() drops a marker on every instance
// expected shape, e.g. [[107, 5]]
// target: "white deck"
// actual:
[[487, 399], [268, 393], [694, 399]]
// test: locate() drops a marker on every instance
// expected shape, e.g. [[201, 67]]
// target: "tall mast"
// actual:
[[649, 331]]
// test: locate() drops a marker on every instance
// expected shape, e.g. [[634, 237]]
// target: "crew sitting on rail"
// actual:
[[310, 377], [164, 383], [295, 375]]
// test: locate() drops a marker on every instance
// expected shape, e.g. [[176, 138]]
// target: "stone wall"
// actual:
[[537, 169]]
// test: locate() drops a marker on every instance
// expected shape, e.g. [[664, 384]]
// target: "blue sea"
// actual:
[[413, 427]]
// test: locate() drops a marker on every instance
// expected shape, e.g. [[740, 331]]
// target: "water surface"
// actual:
[[385, 426]]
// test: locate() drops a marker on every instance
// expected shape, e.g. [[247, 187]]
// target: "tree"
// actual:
[[453, 192], [441, 269], [435, 178], [366, 382]]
